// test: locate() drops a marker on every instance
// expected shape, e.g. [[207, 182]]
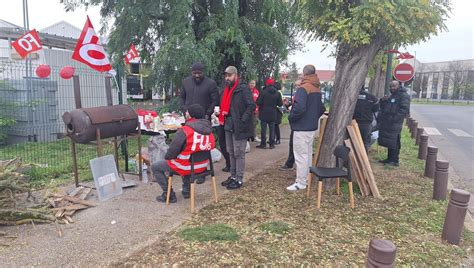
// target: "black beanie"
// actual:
[[196, 111], [197, 66]]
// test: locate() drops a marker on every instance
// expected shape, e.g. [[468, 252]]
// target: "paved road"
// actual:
[[451, 129]]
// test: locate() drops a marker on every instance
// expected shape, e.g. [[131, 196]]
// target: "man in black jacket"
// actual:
[[393, 111], [366, 106], [236, 111], [267, 103], [196, 135], [199, 89]]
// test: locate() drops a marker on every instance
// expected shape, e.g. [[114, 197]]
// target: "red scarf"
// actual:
[[225, 102]]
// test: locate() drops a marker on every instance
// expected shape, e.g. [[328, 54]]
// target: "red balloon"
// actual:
[[67, 72], [43, 71]]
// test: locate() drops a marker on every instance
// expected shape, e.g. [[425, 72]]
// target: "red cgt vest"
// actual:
[[195, 142]]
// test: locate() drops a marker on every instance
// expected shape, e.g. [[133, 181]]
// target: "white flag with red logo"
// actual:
[[89, 50], [27, 43], [131, 54]]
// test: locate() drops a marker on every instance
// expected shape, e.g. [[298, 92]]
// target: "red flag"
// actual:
[[28, 43], [89, 51], [131, 54]]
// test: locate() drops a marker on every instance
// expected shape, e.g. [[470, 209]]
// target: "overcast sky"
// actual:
[[456, 43]]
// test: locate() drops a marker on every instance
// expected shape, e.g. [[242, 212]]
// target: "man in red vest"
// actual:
[[195, 136]]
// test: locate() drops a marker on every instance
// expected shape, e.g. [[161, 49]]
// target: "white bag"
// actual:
[[157, 148], [247, 148], [216, 155]]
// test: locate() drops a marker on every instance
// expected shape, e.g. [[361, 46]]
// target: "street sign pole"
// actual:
[[388, 75]]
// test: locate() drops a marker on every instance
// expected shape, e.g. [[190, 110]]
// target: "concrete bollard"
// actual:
[[423, 147], [430, 163], [455, 214], [407, 121], [414, 127], [419, 132], [381, 253], [440, 186]]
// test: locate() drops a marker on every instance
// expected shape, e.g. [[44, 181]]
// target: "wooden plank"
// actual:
[[84, 193], [76, 191], [76, 200], [72, 207], [356, 171], [320, 140], [360, 152], [359, 140], [69, 213]]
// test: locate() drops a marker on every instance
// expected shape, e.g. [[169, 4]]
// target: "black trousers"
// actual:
[[277, 132], [365, 131], [222, 144], [290, 162], [271, 130], [393, 154]]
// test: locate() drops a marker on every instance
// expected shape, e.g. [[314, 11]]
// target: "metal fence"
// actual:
[[31, 126]]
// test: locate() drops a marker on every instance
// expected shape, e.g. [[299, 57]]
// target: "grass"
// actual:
[[275, 227], [212, 232], [443, 102], [52, 161], [334, 235]]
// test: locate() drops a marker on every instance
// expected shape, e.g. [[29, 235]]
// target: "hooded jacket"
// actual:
[[202, 126], [267, 102], [392, 113], [307, 106], [367, 104], [204, 94]]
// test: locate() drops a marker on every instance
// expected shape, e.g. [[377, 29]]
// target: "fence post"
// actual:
[[455, 214], [419, 132], [431, 161], [440, 185], [77, 92], [414, 127], [423, 147], [381, 253]]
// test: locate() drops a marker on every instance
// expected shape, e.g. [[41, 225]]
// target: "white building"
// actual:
[[444, 80]]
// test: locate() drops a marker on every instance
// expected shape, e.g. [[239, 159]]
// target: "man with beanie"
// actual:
[[304, 117], [236, 109], [267, 103], [195, 136], [199, 89]]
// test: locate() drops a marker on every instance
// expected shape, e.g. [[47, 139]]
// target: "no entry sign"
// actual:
[[403, 72]]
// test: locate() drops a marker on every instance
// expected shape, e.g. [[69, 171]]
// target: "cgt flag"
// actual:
[[89, 51], [131, 54], [28, 43]]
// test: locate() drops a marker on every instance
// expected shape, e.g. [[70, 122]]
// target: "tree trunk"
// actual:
[[352, 65], [377, 84]]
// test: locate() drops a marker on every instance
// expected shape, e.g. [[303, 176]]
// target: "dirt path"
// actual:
[[139, 222]]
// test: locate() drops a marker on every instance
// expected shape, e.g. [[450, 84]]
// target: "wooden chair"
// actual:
[[195, 176], [341, 153]]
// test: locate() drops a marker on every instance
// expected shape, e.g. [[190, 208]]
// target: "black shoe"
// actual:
[[226, 169], [228, 181], [272, 146], [201, 180], [384, 161], [285, 168], [234, 185], [391, 163], [186, 195], [261, 146], [162, 198]]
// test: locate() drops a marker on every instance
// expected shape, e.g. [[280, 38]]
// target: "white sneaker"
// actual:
[[257, 139], [296, 186]]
